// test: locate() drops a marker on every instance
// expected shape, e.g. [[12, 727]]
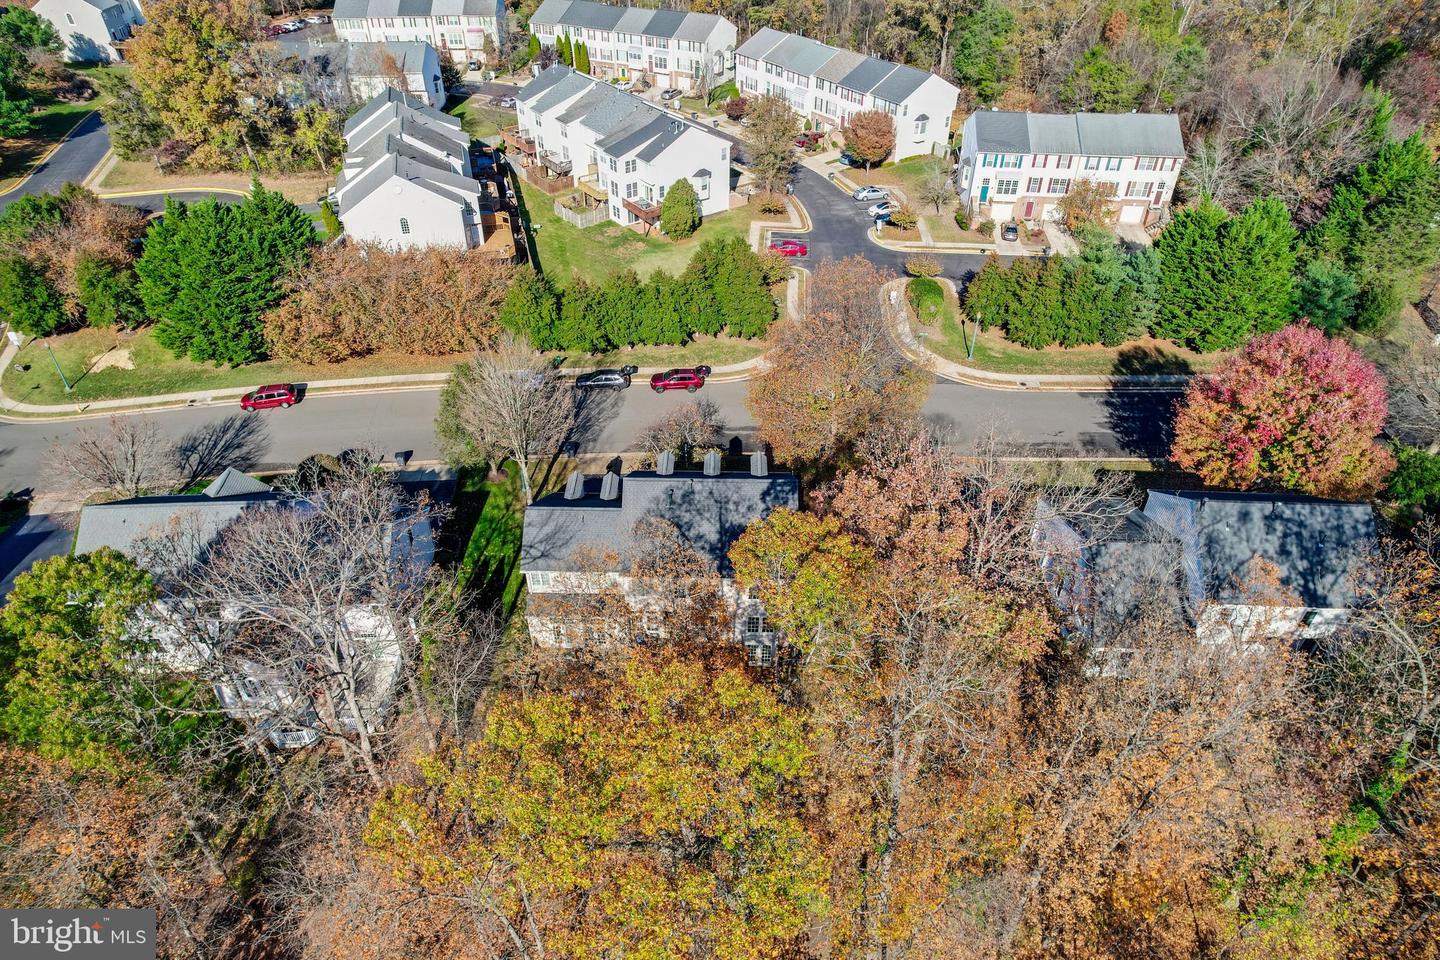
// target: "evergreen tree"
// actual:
[[210, 271], [532, 308], [1326, 295], [680, 210], [107, 294], [662, 318], [615, 309], [577, 329], [333, 227], [1191, 273], [1383, 226], [27, 301], [982, 56], [1086, 310], [562, 47], [582, 58], [534, 48], [1259, 253]]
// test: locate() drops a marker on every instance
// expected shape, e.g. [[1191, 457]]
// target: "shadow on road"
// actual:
[[238, 441], [1142, 422]]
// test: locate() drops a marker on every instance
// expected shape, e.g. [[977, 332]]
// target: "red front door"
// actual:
[[1029, 209]]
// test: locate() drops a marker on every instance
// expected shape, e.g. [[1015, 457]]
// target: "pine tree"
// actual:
[[680, 210], [532, 308], [582, 58], [562, 47], [27, 301], [1326, 295], [1259, 251], [534, 48], [1191, 286]]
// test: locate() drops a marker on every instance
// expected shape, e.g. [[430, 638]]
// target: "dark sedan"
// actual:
[[606, 379]]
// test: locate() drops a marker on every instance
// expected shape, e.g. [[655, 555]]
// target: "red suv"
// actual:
[[690, 379], [280, 395]]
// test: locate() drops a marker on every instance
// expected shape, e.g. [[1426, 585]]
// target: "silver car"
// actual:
[[881, 209], [871, 193]]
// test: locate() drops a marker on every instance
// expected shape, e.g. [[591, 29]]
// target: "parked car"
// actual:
[[318, 18], [808, 139], [507, 102], [280, 395], [1010, 231], [871, 193], [290, 26], [881, 209], [625, 85], [670, 94], [848, 159], [790, 248], [274, 31], [609, 379], [688, 379]]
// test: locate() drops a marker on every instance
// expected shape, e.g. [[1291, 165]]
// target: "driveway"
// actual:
[[39, 537], [72, 162]]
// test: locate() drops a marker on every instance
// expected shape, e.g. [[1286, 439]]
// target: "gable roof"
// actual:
[[124, 524], [396, 102], [1086, 134], [1315, 545], [710, 513], [586, 14], [854, 71], [443, 183]]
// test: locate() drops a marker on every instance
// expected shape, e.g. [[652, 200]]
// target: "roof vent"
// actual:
[[665, 463], [759, 466], [712, 463], [575, 486], [610, 485]]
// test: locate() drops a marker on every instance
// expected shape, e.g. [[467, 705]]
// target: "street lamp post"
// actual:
[[68, 388], [970, 340]]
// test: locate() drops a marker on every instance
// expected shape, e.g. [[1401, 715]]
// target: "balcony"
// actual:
[[594, 188], [646, 210], [554, 163], [518, 139]]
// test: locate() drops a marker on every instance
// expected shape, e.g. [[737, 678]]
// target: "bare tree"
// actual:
[[238, 441], [307, 610], [770, 147], [1414, 381], [936, 187], [509, 398], [129, 458], [694, 426]]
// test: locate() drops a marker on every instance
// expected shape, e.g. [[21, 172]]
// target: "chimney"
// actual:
[[712, 464], [758, 465], [610, 485], [665, 463], [575, 486]]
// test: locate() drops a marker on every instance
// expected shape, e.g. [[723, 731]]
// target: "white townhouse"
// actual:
[[91, 28], [570, 538], [624, 152], [458, 29], [407, 180], [686, 51], [1016, 166], [827, 85]]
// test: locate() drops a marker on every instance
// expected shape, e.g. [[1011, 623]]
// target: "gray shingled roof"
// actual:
[[589, 100], [396, 101], [410, 128], [863, 77], [542, 81], [840, 65], [556, 93], [604, 16], [900, 83], [233, 483], [1089, 134], [444, 183], [760, 43], [123, 524], [710, 512], [1315, 545], [800, 54], [366, 56], [363, 9]]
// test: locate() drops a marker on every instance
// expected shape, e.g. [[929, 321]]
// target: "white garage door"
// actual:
[[1132, 214]]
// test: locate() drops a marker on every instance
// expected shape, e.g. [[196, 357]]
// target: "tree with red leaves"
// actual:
[[1295, 411]]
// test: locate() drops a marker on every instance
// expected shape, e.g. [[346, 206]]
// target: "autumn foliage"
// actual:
[[1295, 411], [870, 136], [352, 300]]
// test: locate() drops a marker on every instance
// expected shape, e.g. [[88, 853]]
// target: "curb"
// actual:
[[45, 157], [911, 347]]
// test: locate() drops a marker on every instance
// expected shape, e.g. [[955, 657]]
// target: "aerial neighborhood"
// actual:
[[491, 480]]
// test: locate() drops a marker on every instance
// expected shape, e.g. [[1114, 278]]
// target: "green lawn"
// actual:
[[486, 527], [53, 119], [994, 352], [157, 371], [478, 118], [596, 252]]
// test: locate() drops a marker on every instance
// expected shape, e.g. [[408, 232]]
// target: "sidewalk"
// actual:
[[897, 310], [30, 412]]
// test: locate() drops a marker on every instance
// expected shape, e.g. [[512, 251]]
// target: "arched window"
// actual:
[[404, 225]]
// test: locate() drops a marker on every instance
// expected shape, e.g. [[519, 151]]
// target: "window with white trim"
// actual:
[[1063, 162], [1093, 163], [757, 623], [1147, 163], [629, 166], [1007, 188], [404, 225], [1033, 186], [1112, 163], [1060, 185]]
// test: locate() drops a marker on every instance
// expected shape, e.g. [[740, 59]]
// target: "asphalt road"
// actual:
[[71, 163]]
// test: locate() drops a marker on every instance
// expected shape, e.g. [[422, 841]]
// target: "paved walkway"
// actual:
[[898, 311]]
